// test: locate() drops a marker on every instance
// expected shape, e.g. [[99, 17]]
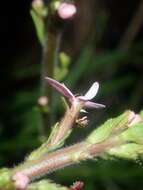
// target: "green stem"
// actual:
[[49, 60]]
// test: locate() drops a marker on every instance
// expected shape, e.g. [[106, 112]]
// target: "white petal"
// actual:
[[91, 93]]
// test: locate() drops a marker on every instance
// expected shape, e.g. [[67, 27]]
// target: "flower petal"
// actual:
[[93, 105], [91, 93], [60, 87]]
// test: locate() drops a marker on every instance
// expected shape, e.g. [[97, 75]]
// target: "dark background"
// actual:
[[100, 50]]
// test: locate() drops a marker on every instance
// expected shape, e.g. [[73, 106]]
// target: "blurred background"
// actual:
[[105, 44]]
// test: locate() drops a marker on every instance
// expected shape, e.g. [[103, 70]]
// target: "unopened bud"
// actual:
[[66, 10], [21, 180], [37, 3], [136, 119], [43, 100]]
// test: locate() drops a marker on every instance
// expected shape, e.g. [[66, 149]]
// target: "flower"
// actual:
[[91, 93], [66, 10]]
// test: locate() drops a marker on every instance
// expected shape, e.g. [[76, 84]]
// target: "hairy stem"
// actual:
[[63, 157], [59, 132], [67, 122]]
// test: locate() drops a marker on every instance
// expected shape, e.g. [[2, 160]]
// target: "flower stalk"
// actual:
[[66, 123], [62, 158]]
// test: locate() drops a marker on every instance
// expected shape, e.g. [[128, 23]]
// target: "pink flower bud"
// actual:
[[21, 180], [43, 100], [37, 3], [135, 119], [66, 10]]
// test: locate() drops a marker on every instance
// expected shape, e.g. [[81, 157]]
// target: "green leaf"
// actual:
[[46, 185], [103, 132], [64, 59], [5, 180], [128, 151], [40, 27], [133, 134]]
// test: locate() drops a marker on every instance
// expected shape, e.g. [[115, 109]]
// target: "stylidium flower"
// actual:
[[66, 10], [91, 93]]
